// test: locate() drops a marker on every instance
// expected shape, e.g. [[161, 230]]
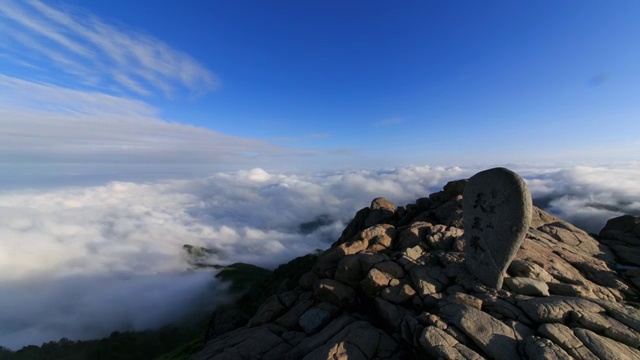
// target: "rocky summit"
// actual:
[[396, 285]]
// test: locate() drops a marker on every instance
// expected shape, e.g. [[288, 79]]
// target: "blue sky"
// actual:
[[129, 128], [331, 84]]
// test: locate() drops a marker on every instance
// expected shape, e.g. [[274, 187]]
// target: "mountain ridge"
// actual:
[[394, 286]]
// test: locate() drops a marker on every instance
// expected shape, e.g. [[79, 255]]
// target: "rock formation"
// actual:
[[396, 286], [497, 214]]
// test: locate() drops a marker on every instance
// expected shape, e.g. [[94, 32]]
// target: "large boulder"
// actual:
[[497, 213]]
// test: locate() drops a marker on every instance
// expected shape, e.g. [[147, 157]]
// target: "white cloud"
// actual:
[[42, 122], [97, 53], [108, 244], [588, 195], [86, 307]]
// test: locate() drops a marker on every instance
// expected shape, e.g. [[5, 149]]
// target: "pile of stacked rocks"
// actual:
[[471, 272]]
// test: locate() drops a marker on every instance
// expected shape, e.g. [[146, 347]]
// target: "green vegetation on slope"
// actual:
[[242, 276], [127, 345]]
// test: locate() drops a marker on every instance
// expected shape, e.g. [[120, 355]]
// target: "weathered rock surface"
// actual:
[[563, 336], [606, 348], [497, 213], [527, 286], [396, 285], [622, 235]]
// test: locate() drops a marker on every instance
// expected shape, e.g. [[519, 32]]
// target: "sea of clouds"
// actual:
[[83, 261]]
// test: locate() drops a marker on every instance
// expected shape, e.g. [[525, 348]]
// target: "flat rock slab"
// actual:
[[493, 336], [556, 309], [605, 348], [497, 211]]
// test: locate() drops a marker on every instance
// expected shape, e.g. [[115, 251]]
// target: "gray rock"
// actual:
[[564, 337], [307, 280], [441, 237], [288, 298], [267, 312], [605, 348], [621, 237], [412, 235], [277, 352], [335, 293], [465, 299], [389, 313], [520, 330], [497, 214], [390, 267], [359, 340], [352, 269], [290, 318], [491, 335], [597, 318], [410, 329], [375, 281], [527, 286], [242, 343], [315, 319], [377, 238], [349, 271], [225, 321], [625, 314], [293, 337], [455, 188], [428, 280], [606, 326], [624, 223], [556, 308], [398, 294], [368, 260], [505, 309], [437, 343], [528, 269], [328, 261], [450, 213], [312, 342], [381, 209], [355, 226], [628, 254], [538, 348], [416, 255], [570, 290]]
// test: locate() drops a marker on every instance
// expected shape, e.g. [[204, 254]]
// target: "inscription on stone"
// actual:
[[496, 207]]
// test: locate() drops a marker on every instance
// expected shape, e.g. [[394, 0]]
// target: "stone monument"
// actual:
[[497, 208]]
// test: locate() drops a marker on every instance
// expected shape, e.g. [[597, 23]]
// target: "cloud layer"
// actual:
[[96, 53], [48, 123], [588, 195], [92, 256]]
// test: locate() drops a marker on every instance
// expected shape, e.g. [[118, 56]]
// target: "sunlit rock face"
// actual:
[[497, 214], [399, 288]]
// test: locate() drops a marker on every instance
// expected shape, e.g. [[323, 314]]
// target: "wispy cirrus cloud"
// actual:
[[96, 53], [314, 136], [46, 123]]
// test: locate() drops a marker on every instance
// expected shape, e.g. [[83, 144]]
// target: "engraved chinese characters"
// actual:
[[496, 206]]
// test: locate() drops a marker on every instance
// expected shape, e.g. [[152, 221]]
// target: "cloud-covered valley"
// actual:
[[81, 262]]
